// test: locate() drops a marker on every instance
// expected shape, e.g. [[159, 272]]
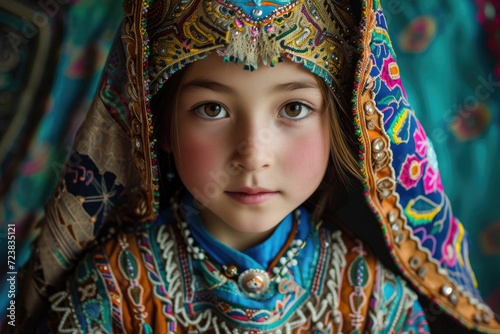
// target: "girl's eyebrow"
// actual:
[[296, 85], [217, 86], [207, 84]]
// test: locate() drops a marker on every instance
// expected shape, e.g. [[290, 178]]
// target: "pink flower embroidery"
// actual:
[[420, 140], [411, 172], [432, 181], [448, 248], [390, 75]]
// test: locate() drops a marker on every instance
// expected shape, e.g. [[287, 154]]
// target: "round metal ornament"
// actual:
[[254, 282]]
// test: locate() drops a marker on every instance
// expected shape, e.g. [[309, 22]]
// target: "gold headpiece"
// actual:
[[318, 34]]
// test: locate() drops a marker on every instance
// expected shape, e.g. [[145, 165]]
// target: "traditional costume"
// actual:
[[148, 269]]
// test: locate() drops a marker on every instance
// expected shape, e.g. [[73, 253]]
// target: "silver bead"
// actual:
[[399, 238], [369, 109], [414, 262], [392, 216], [486, 318], [386, 187], [378, 144], [379, 155], [454, 298], [446, 290], [396, 226], [422, 271], [370, 125], [137, 143]]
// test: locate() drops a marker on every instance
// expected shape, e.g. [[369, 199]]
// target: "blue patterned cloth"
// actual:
[[456, 97]]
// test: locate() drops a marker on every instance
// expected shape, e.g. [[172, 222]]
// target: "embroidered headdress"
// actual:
[[323, 38], [102, 185]]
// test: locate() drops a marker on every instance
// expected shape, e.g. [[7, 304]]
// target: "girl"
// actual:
[[238, 209]]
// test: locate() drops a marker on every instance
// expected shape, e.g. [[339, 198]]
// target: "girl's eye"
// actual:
[[211, 111], [294, 110]]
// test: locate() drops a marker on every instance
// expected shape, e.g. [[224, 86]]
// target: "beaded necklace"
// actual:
[[252, 282]]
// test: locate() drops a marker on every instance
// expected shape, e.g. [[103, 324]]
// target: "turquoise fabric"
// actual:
[[81, 34], [447, 68]]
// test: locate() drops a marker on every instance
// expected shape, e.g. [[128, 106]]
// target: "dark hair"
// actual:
[[163, 106], [343, 167]]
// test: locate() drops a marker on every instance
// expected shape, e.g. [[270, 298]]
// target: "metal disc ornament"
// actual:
[[254, 282]]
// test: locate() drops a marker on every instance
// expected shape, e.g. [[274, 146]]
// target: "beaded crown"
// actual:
[[321, 36]]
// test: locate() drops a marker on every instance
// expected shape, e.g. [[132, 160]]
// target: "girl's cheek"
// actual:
[[198, 156], [308, 154]]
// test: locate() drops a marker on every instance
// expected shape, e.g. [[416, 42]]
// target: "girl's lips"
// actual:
[[251, 199]]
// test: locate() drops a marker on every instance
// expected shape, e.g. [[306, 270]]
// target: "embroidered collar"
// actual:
[[251, 273]]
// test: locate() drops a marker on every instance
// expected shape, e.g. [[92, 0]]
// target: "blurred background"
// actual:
[[52, 53]]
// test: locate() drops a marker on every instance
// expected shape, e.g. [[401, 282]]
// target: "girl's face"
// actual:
[[251, 146]]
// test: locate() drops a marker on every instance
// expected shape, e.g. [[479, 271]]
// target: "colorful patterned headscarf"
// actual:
[[112, 177], [322, 38]]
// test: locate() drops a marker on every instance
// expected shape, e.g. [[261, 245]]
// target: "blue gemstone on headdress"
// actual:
[[257, 9]]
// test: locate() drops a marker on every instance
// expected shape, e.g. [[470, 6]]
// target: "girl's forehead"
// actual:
[[214, 68]]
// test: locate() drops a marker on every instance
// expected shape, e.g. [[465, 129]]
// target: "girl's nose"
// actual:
[[253, 150]]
